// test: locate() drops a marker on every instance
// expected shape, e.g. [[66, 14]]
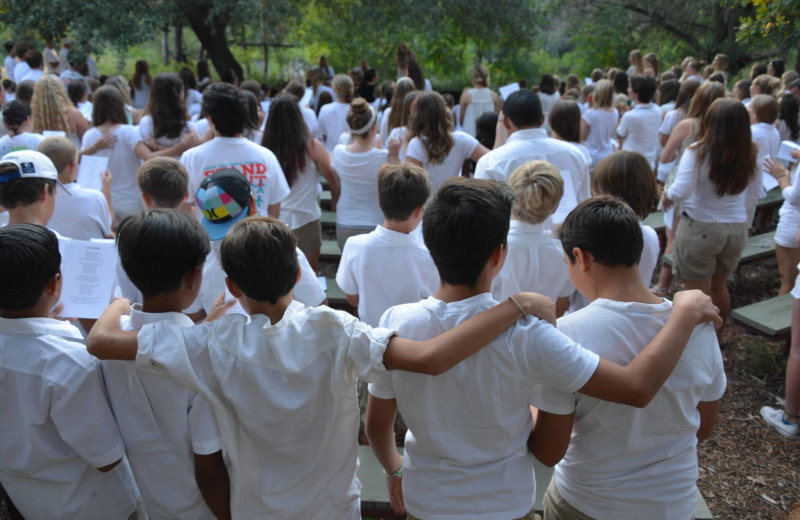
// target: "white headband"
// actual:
[[364, 129]]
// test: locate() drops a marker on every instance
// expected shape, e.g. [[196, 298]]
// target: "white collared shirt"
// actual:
[[768, 140], [535, 263], [82, 214], [385, 268], [464, 146], [285, 400], [163, 424], [638, 128], [57, 427], [532, 144]]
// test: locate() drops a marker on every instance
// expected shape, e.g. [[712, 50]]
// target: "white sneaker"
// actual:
[[775, 419]]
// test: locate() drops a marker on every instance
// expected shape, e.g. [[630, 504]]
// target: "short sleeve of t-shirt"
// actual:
[[381, 387], [670, 121], [85, 422], [278, 187], [129, 135], [622, 129], [716, 389], [146, 128], [203, 429], [417, 151], [345, 277], [464, 144], [307, 290]]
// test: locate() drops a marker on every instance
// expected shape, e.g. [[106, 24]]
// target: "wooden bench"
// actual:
[[656, 221], [325, 200], [759, 247], [330, 251], [375, 497], [771, 317], [335, 294], [328, 219]]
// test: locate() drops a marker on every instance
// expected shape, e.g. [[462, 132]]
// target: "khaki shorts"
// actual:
[[529, 516], [703, 249], [556, 508], [309, 237], [343, 233]]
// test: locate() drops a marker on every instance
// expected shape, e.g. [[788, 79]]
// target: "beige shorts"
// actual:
[[529, 516], [343, 233], [309, 237], [556, 508], [703, 249]]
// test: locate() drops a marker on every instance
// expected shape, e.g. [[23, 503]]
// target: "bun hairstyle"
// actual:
[[361, 117], [480, 75], [15, 114]]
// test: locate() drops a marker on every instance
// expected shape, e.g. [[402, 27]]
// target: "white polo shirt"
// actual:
[[465, 450], [638, 128], [57, 427], [163, 424], [385, 268], [532, 144], [463, 147], [332, 122], [259, 165], [285, 400], [535, 263], [82, 215], [768, 140]]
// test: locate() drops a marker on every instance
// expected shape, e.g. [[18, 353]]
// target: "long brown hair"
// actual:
[[141, 72], [286, 135], [728, 146], [431, 123], [166, 106], [702, 101], [403, 87]]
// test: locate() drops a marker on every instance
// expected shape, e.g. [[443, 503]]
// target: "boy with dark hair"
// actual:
[[167, 428], [61, 450], [227, 111], [466, 450], [638, 127], [288, 416], [624, 462], [389, 266]]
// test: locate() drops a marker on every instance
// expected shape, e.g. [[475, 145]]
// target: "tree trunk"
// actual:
[[178, 43], [165, 45], [210, 30], [797, 60]]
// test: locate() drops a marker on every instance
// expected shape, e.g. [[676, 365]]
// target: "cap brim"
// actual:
[[218, 230]]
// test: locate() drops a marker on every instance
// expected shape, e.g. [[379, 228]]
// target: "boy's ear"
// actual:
[[233, 288], [417, 213], [147, 200], [582, 258], [193, 277], [299, 275]]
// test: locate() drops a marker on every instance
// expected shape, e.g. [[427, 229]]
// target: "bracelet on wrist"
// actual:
[[396, 474], [515, 302]]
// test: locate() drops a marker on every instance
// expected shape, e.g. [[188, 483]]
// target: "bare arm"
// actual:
[[212, 480], [637, 383], [708, 416], [106, 469], [352, 299], [672, 144], [106, 179], [412, 160], [319, 154], [379, 427], [478, 152], [550, 436], [443, 352], [466, 99], [394, 144], [189, 140], [107, 340], [274, 210], [585, 129]]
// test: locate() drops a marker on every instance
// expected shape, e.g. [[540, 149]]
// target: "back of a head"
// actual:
[[408, 105], [21, 48], [76, 89], [765, 108], [538, 188], [597, 75], [606, 228], [158, 248], [119, 83], [705, 95], [416, 74], [603, 95], [60, 150], [227, 108], [432, 124], [466, 221], [342, 85], [547, 85], [721, 61], [24, 175], [401, 89], [565, 120], [258, 255], [35, 60], [361, 117], [668, 91], [286, 135], [741, 90], [402, 188], [164, 180], [253, 86], [766, 84], [24, 91], [790, 114], [252, 122], [108, 105], [686, 93], [486, 129], [15, 113], [627, 175], [644, 86], [620, 82], [296, 89], [30, 258], [187, 77], [524, 109], [166, 105], [757, 70], [479, 75]]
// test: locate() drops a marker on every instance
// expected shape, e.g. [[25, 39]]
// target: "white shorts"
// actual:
[[788, 227], [796, 290]]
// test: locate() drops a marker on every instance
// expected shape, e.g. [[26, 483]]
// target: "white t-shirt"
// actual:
[[163, 424], [309, 116], [288, 416], [332, 122], [358, 173], [400, 133], [82, 215], [385, 268], [20, 69], [384, 125], [33, 75], [638, 128], [123, 163], [650, 251], [301, 206], [24, 141], [535, 263], [481, 102], [626, 462], [57, 427], [465, 450], [671, 120], [9, 63], [140, 95], [601, 130], [768, 140], [146, 131], [463, 147], [257, 163]]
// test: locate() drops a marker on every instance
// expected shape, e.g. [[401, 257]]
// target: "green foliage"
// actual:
[[773, 22]]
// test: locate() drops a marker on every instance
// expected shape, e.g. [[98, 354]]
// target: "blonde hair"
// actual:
[[635, 58], [50, 106], [479, 75], [60, 150], [765, 108], [538, 188], [342, 85], [767, 84], [603, 95]]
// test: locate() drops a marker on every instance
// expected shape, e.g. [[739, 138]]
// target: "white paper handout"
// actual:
[[90, 171], [568, 200], [507, 90], [54, 133], [768, 181], [87, 271], [785, 151], [588, 81]]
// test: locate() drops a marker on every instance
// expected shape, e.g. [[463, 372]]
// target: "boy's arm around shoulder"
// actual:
[[107, 340], [439, 354], [549, 439], [637, 383], [212, 480]]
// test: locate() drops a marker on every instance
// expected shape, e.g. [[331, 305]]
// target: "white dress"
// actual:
[[481, 102]]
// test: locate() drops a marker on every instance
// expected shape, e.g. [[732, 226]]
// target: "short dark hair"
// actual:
[[644, 86], [29, 258], [402, 188], [75, 90], [24, 91], [605, 227], [165, 179], [565, 120], [227, 107], [158, 248], [258, 254], [34, 59], [628, 175], [523, 108], [23, 191], [463, 224]]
